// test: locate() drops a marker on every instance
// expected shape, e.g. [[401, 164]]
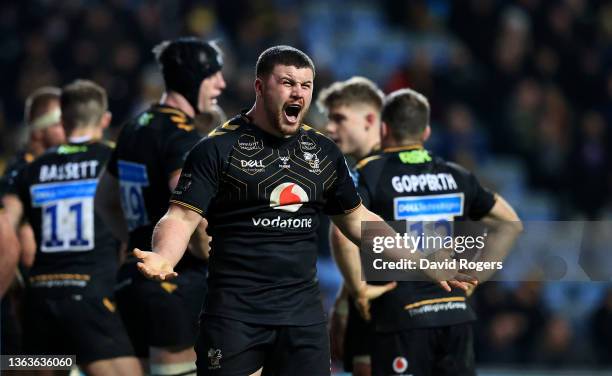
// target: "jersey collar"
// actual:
[[403, 148]]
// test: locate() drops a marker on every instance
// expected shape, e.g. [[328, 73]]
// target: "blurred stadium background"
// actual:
[[521, 93]]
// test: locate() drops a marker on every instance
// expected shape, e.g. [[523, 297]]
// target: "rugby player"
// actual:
[[420, 328], [42, 118], [353, 112], [261, 180], [161, 318], [69, 307]]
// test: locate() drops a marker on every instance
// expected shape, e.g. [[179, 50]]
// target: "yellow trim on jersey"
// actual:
[[215, 132], [367, 160], [403, 147], [434, 301], [190, 207], [167, 110], [185, 127], [109, 305], [230, 127], [309, 128]]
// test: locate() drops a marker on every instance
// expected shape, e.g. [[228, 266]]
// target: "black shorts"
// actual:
[[87, 326], [10, 323], [160, 314], [447, 350], [234, 348], [357, 339]]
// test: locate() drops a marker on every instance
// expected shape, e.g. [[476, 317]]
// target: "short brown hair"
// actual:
[[38, 102], [355, 90], [83, 103], [406, 113], [282, 55]]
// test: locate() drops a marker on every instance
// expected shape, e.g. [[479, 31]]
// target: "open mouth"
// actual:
[[292, 112]]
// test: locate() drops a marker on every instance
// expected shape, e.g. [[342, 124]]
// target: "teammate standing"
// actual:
[[417, 331], [161, 318], [42, 119], [69, 308], [353, 112], [261, 180]]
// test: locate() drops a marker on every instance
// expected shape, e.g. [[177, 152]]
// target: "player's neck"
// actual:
[[176, 100], [258, 117], [80, 135], [389, 143], [368, 148]]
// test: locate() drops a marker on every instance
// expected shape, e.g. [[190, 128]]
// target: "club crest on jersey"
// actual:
[[400, 364], [307, 144], [313, 161], [288, 197], [214, 358]]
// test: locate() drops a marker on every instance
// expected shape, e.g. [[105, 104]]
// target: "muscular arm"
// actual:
[[108, 206], [199, 244], [170, 239], [504, 227]]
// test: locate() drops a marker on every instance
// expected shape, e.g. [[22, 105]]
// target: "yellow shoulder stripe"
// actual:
[[365, 161], [309, 128]]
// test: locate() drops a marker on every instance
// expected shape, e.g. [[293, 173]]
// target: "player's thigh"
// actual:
[[163, 315], [458, 358], [299, 350], [42, 330], [228, 347], [408, 352], [122, 366], [95, 327], [357, 343]]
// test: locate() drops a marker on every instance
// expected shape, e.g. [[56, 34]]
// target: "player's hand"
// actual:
[[449, 278], [337, 327], [154, 266], [370, 292]]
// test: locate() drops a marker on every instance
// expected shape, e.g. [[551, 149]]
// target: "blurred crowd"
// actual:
[[529, 80]]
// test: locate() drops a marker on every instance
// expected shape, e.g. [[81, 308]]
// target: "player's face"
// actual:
[[210, 88], [286, 95], [54, 134], [347, 125]]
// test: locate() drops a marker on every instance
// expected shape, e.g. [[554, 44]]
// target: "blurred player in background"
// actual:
[[69, 305], [161, 317], [417, 331], [353, 113], [42, 119]]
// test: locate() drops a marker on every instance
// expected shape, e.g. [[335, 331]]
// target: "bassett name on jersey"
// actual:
[[69, 171]]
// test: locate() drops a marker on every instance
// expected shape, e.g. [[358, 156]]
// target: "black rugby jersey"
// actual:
[[262, 196], [13, 167], [75, 250], [149, 148], [409, 183]]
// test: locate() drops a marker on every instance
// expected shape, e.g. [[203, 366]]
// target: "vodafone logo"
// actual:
[[400, 364], [288, 197]]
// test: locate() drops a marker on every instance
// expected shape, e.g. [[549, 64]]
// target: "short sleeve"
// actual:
[[199, 179], [342, 196], [482, 199], [177, 148]]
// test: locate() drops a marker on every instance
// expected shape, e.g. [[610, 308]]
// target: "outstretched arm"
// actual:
[[170, 239]]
